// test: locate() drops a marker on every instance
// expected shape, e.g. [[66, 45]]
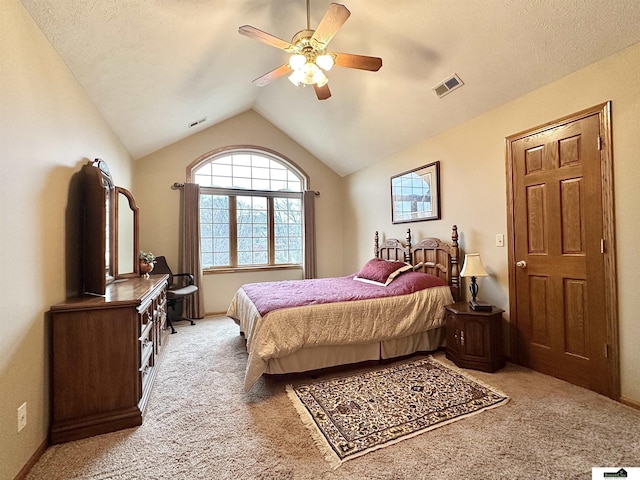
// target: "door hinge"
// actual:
[[599, 142], [602, 249], [606, 350]]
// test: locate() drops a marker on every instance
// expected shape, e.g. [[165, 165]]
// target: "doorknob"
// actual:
[[522, 264]]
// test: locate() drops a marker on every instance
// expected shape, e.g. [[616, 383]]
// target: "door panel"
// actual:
[[556, 227], [539, 319], [575, 317]]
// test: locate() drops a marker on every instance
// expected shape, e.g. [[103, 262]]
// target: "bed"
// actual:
[[304, 325]]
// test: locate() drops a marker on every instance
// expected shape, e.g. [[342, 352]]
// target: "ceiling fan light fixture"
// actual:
[[308, 74], [297, 77], [313, 75], [297, 61], [320, 79], [325, 62]]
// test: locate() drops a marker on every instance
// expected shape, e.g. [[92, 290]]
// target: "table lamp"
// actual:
[[473, 268]]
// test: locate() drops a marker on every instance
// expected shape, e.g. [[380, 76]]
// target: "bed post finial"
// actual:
[[408, 254], [376, 253], [455, 265]]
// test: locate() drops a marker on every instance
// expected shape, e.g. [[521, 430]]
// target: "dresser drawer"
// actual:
[[146, 334], [146, 364]]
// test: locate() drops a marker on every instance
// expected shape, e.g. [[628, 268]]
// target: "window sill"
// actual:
[[211, 271]]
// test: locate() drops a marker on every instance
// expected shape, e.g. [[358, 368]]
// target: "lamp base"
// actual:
[[480, 307]]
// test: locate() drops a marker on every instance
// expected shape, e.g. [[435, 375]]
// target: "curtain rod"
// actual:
[[177, 185]]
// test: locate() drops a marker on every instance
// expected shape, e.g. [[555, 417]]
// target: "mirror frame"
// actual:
[[134, 208], [430, 171]]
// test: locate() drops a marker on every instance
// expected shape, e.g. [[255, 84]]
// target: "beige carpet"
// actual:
[[200, 425]]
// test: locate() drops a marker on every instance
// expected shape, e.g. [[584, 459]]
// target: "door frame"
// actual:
[[603, 111]]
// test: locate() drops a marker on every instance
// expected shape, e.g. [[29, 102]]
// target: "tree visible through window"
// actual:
[[250, 210]]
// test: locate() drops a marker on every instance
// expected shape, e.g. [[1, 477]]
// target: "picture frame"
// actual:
[[415, 195]]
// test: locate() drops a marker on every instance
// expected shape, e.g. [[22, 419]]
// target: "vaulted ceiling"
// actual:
[[153, 67]]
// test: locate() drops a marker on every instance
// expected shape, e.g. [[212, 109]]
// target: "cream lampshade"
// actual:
[[473, 268]]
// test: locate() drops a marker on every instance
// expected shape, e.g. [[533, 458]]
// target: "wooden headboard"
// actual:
[[431, 254], [393, 249]]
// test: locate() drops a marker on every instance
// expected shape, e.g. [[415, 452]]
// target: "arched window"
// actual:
[[251, 213]]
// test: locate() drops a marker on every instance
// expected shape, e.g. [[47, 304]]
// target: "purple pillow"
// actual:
[[381, 272]]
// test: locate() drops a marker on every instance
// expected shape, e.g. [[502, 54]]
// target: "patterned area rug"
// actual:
[[353, 415]]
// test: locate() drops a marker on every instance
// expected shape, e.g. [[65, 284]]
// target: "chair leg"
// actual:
[[170, 323], [171, 307]]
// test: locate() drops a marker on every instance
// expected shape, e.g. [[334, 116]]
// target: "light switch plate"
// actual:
[[22, 416]]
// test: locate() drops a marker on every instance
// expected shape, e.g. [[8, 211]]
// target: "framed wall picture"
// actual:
[[415, 195]]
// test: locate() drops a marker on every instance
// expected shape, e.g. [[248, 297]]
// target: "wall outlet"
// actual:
[[499, 240], [22, 416]]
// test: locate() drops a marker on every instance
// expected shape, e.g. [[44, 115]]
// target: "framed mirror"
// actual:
[[96, 222], [415, 195], [104, 229], [125, 231]]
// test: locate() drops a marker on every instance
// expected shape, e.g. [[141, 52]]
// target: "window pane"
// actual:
[[252, 231], [206, 230], [206, 215], [260, 258], [242, 159], [260, 162], [221, 260], [221, 170], [260, 173], [241, 172], [244, 258], [221, 244], [214, 230], [259, 184], [207, 260], [242, 183], [294, 185], [277, 185], [204, 180], [207, 244], [278, 174], [287, 230]]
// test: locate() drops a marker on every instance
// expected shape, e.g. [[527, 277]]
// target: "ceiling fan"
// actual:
[[309, 58]]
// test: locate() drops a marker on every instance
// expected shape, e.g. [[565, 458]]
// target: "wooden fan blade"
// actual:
[[264, 37], [331, 22], [361, 62], [322, 92], [274, 74]]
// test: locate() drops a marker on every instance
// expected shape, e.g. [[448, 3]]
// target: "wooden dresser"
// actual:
[[105, 355]]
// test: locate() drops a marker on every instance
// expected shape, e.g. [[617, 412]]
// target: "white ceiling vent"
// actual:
[[448, 86], [197, 122]]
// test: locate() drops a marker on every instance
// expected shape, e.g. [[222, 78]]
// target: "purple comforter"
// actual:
[[269, 296]]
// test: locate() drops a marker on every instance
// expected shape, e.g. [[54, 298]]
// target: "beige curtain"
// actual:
[[190, 254], [308, 201]]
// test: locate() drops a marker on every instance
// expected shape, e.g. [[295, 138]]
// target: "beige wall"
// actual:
[[48, 129], [473, 186], [159, 205]]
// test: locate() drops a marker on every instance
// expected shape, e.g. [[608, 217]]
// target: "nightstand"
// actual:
[[474, 338]]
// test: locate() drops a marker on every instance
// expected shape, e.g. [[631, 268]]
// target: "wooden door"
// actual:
[[561, 230]]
